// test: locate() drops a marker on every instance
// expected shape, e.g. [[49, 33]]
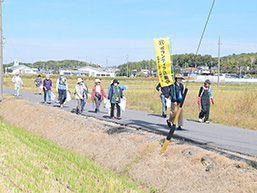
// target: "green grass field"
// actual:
[[235, 105], [29, 163]]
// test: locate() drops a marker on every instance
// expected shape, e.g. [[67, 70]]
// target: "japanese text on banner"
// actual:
[[163, 61]]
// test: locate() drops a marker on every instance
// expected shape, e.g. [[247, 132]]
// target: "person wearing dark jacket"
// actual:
[[176, 93], [47, 87], [164, 94], [115, 94], [38, 83], [204, 97]]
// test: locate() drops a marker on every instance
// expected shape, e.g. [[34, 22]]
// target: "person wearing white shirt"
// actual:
[[62, 89], [17, 81]]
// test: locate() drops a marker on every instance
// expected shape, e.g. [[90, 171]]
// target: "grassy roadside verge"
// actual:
[[32, 164], [135, 153]]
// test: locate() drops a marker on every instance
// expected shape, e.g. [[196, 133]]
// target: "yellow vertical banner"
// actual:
[[163, 61]]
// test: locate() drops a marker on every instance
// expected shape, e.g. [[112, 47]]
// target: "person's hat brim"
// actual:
[[179, 76], [116, 81]]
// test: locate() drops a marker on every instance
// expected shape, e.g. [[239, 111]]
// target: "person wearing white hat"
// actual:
[[62, 88], [86, 95], [176, 94], [79, 94], [98, 94], [17, 81]]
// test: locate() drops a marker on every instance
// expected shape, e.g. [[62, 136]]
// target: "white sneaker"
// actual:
[[61, 106], [200, 120], [207, 122]]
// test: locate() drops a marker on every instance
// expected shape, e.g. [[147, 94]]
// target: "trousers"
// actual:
[[205, 111], [173, 112], [112, 109], [164, 107], [62, 95], [47, 92]]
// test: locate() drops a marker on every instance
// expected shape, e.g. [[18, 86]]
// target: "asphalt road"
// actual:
[[211, 135]]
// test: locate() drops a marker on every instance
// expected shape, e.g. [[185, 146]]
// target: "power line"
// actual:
[[173, 127], [218, 63], [9, 42], [200, 41]]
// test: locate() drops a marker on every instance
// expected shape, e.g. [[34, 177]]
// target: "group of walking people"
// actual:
[[45, 85], [175, 93], [114, 95]]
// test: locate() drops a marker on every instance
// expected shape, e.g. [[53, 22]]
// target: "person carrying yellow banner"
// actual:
[[176, 94]]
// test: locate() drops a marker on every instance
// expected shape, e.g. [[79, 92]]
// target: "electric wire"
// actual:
[[200, 42]]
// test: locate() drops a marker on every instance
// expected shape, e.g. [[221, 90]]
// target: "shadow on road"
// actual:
[[154, 115]]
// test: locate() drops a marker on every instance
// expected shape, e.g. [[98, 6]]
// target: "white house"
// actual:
[[22, 69], [96, 72]]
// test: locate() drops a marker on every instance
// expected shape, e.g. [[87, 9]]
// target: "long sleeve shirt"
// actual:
[[79, 90], [47, 84], [17, 80], [38, 82], [165, 90]]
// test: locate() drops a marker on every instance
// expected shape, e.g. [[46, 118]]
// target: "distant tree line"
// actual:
[[228, 64], [55, 65], [246, 63]]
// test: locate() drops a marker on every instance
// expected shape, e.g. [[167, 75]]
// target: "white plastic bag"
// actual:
[[68, 98], [52, 96], [108, 104], [105, 101], [122, 104], [168, 102]]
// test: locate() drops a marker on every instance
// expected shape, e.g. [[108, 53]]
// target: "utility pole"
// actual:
[[106, 66], [219, 63], [149, 69], [1, 53], [127, 65], [240, 74], [237, 67]]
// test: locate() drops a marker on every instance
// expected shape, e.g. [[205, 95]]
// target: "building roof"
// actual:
[[18, 67], [90, 67], [191, 68]]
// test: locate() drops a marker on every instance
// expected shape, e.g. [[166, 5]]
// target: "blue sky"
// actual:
[[92, 31]]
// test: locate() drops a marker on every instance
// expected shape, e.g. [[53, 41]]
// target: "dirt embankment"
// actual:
[[182, 168]]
